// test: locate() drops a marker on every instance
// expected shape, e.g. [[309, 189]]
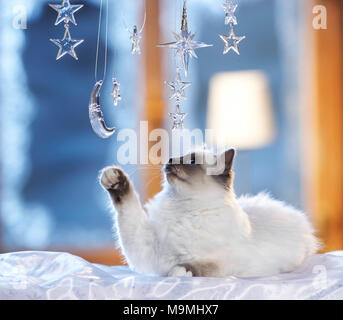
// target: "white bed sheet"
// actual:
[[54, 275]]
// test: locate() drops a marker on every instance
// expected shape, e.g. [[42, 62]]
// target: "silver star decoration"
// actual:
[[177, 118], [185, 44], [66, 44], [231, 42], [135, 40], [230, 10], [136, 37], [178, 87], [66, 11], [116, 92]]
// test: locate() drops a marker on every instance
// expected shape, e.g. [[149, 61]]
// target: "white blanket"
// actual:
[[52, 275]]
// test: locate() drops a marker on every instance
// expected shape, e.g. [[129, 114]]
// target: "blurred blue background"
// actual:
[[50, 158]]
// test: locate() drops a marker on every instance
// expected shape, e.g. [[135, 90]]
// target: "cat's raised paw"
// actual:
[[114, 180]]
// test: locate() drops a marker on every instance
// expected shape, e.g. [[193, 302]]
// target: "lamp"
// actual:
[[240, 110]]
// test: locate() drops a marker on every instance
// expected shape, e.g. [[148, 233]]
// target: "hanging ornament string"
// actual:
[[98, 42], [185, 46], [177, 87], [176, 11], [116, 86], [96, 116]]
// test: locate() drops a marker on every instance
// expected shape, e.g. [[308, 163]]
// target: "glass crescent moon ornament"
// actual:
[[96, 116]]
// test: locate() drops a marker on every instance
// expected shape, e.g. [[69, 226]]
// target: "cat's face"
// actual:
[[200, 172]]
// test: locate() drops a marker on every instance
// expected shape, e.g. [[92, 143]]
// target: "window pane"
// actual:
[[50, 156]]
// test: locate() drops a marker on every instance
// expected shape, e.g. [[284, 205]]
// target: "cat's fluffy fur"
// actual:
[[197, 227]]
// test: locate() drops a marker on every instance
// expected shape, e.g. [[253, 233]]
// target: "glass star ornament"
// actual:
[[135, 41], [230, 9], [116, 92], [185, 44], [66, 11], [66, 45], [231, 42], [177, 118], [135, 37], [178, 87]]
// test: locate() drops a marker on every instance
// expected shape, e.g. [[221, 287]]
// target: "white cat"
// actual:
[[197, 227]]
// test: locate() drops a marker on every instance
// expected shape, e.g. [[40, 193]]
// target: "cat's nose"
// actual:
[[170, 161]]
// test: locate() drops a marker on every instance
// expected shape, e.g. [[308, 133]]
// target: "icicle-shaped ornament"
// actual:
[[116, 92]]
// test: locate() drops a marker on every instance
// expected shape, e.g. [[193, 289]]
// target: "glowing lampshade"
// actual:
[[240, 110]]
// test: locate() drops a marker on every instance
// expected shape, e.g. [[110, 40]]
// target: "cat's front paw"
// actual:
[[115, 181]]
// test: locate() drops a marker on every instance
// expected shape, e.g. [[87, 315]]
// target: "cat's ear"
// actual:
[[228, 156]]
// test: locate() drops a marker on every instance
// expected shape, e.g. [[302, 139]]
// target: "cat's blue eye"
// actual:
[[192, 161]]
